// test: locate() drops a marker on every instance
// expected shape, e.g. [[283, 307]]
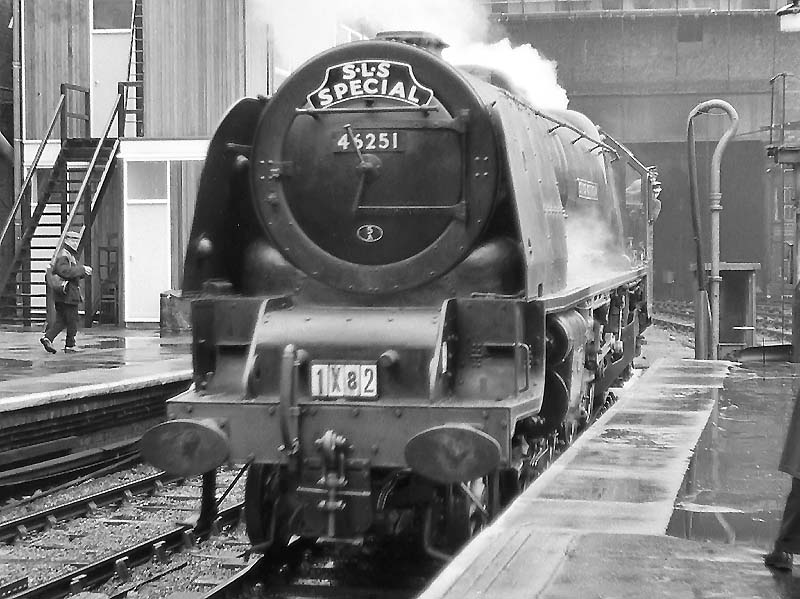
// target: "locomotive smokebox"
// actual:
[[185, 447], [452, 453]]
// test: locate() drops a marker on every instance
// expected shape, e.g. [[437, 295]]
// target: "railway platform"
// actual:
[[674, 492], [112, 359], [88, 406]]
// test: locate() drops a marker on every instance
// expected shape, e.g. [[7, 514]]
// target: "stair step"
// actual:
[[25, 294]]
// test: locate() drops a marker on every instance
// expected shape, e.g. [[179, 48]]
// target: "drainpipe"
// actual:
[[715, 197], [16, 78]]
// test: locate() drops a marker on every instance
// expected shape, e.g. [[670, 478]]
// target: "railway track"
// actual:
[[21, 526], [119, 538], [773, 320], [44, 556], [155, 565], [53, 553]]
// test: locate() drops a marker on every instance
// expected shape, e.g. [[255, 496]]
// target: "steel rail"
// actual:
[[236, 583], [12, 529], [44, 469], [104, 568]]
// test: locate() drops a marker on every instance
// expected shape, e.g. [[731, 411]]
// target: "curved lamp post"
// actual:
[[715, 196]]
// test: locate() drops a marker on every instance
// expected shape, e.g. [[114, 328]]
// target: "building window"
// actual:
[[147, 180], [112, 14]]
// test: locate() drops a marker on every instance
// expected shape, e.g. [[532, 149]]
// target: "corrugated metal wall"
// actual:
[[194, 54], [56, 50]]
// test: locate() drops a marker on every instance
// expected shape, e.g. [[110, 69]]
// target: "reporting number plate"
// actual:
[[344, 380]]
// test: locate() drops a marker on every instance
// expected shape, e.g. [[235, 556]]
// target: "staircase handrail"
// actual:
[[122, 88], [31, 173], [85, 183], [99, 189], [131, 50]]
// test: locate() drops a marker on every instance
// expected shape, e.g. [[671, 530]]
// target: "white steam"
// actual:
[[594, 252], [302, 29], [533, 75]]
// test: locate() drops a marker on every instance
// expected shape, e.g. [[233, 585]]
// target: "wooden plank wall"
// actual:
[[194, 65], [56, 50], [184, 177]]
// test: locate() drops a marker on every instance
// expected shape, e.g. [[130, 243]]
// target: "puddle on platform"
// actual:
[[108, 364], [15, 363], [109, 343], [733, 491]]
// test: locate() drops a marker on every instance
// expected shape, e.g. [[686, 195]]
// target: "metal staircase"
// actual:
[[68, 201], [133, 88], [71, 196]]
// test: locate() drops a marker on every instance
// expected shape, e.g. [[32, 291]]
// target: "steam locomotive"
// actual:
[[391, 323]]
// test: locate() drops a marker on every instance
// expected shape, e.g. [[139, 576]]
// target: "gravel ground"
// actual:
[[14, 508], [72, 544]]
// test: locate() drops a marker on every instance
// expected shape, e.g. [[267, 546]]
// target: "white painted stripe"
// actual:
[[84, 391]]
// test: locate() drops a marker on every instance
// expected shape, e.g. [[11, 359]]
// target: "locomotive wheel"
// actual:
[[465, 511], [470, 517], [264, 519]]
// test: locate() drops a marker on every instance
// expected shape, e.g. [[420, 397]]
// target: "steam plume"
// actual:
[[594, 253], [304, 29], [301, 31], [533, 74]]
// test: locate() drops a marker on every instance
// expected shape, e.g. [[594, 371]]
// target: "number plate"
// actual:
[[344, 380], [370, 140]]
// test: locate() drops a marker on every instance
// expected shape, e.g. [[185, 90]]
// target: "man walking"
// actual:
[[788, 541], [63, 284]]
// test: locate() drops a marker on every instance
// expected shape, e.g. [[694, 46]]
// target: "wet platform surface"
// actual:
[[112, 360], [676, 494]]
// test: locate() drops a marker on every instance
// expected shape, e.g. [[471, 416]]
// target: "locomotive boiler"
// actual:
[[391, 321]]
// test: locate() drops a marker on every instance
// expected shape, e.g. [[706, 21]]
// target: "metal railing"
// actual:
[[63, 115], [115, 113], [784, 128], [84, 118], [31, 172], [132, 82], [82, 199], [90, 203], [511, 8], [137, 111]]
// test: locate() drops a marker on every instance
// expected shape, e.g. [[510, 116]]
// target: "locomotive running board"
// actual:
[[566, 299]]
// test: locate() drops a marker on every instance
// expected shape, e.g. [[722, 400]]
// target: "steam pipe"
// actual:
[[701, 308], [715, 197], [702, 284]]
